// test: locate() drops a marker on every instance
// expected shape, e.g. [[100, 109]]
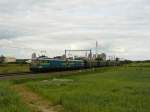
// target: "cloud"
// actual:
[[120, 26]]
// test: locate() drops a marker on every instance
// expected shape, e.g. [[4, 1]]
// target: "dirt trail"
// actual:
[[37, 103]]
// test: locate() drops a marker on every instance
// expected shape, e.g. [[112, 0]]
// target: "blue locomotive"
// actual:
[[47, 64]]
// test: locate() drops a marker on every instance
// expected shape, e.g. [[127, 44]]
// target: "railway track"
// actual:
[[34, 75], [14, 74], [25, 75], [38, 74]]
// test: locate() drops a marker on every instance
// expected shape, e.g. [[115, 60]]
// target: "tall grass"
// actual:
[[116, 89], [9, 100]]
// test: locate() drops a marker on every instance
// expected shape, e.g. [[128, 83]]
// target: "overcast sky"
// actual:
[[122, 27]]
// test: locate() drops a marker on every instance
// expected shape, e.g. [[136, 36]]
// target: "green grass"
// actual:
[[116, 89], [13, 68], [10, 100], [113, 89]]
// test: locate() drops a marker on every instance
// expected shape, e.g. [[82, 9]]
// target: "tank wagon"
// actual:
[[47, 64]]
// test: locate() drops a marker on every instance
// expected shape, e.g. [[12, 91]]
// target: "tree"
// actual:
[[2, 59]]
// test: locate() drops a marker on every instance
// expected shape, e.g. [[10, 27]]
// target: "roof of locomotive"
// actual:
[[51, 59]]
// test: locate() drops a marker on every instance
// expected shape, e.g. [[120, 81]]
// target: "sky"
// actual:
[[121, 27]]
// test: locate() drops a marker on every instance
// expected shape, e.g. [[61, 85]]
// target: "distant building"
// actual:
[[9, 59], [101, 57], [22, 61]]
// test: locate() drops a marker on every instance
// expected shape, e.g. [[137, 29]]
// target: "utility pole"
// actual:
[[65, 54], [96, 49]]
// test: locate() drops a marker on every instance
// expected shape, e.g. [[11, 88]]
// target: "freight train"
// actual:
[[47, 64]]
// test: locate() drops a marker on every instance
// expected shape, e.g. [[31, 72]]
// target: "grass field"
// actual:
[[13, 68], [119, 89], [113, 89], [10, 100]]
